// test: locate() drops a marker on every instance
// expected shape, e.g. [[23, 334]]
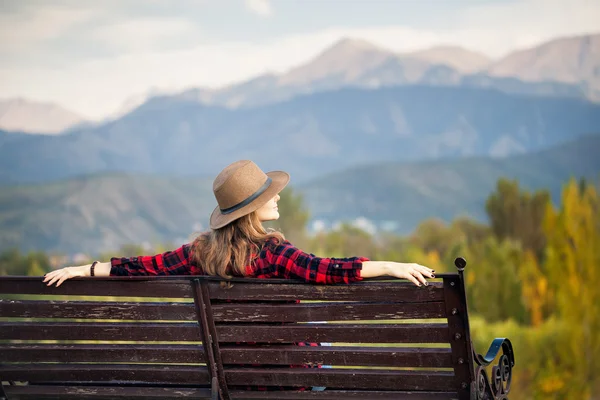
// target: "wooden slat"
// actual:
[[351, 333], [97, 310], [102, 353], [242, 289], [176, 393], [39, 392], [340, 356], [343, 378], [99, 331], [400, 291], [326, 312], [105, 373], [344, 394], [111, 286], [265, 354]]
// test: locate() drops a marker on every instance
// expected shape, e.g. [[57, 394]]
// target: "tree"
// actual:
[[518, 215], [572, 266], [345, 241], [493, 282], [12, 262]]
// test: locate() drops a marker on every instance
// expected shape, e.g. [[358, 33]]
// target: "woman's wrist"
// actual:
[[99, 269], [374, 269]]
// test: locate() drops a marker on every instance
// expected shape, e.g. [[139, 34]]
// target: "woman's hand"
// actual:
[[58, 276], [413, 272]]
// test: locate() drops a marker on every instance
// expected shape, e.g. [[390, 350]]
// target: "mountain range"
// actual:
[[568, 66], [562, 67], [99, 213], [308, 135], [27, 116], [407, 193]]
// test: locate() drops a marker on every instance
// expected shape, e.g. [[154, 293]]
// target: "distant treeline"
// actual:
[[532, 276]]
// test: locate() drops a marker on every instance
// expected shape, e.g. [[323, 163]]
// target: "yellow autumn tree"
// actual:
[[573, 268], [537, 295]]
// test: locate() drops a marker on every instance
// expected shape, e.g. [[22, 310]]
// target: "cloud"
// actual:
[[521, 24], [261, 8], [145, 34], [30, 26]]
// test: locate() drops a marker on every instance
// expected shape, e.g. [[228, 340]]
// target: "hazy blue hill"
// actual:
[[309, 135], [100, 212], [407, 193]]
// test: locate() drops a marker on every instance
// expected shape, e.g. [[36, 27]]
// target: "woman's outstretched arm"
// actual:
[[288, 262], [58, 276], [415, 273], [176, 262]]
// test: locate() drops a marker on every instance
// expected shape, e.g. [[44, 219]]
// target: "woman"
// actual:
[[239, 245]]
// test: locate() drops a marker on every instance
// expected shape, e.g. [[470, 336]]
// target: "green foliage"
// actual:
[[12, 262], [518, 215], [345, 241], [493, 283]]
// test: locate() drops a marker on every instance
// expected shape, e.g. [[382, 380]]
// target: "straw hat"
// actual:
[[241, 188]]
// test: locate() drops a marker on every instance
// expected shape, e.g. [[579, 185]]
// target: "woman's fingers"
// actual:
[[426, 271], [58, 276], [53, 279], [62, 279], [417, 274], [411, 278]]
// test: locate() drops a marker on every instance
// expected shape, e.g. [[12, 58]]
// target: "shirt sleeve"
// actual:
[[176, 262], [288, 262]]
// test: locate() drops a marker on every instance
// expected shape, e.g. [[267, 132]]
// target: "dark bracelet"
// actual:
[[92, 268]]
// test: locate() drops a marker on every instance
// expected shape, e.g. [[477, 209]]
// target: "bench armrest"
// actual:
[[501, 372]]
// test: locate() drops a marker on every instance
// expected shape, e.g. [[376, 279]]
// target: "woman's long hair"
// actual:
[[228, 250]]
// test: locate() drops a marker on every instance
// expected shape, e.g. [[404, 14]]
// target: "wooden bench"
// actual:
[[176, 337]]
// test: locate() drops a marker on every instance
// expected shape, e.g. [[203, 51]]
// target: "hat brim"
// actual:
[[280, 179]]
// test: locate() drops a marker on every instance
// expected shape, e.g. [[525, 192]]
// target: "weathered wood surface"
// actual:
[[261, 354], [344, 378], [340, 356], [100, 331], [97, 310], [266, 314], [460, 342], [346, 394], [399, 291], [326, 312], [222, 312], [241, 289], [175, 393], [175, 374], [349, 333], [103, 353], [45, 392], [163, 287]]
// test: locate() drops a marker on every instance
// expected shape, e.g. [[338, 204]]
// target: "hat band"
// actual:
[[249, 200]]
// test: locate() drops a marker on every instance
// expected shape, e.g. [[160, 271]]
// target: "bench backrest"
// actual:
[[190, 333]]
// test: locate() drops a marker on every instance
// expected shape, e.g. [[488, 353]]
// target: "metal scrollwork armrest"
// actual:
[[501, 372]]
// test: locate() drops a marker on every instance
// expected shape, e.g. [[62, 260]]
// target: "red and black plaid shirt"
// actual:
[[282, 261]]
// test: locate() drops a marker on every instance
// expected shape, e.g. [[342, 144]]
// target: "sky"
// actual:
[[94, 56]]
